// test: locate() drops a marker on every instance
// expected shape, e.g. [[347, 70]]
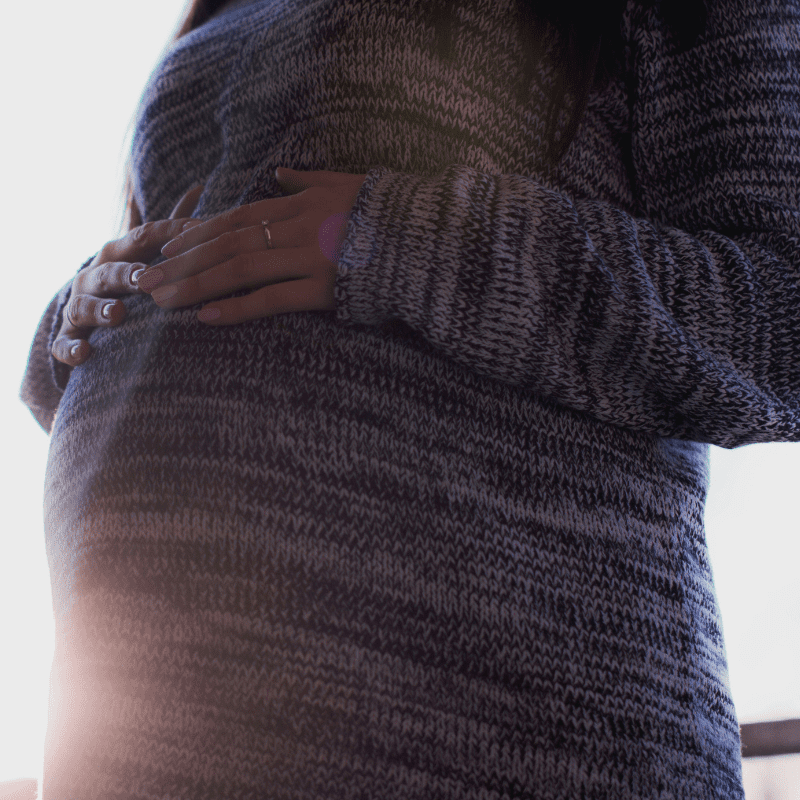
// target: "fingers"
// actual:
[[307, 294], [188, 202], [115, 272], [82, 314], [145, 242], [110, 279], [92, 305], [71, 351], [275, 210], [223, 248], [248, 270], [85, 311]]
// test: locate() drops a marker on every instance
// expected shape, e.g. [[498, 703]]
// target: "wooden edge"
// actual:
[[778, 738]]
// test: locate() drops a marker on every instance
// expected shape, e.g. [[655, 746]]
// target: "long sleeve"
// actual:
[[45, 378], [683, 321]]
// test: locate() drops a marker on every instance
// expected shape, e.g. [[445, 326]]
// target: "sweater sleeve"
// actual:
[[46, 378], [682, 322]]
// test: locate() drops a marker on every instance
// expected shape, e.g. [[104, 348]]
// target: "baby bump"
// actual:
[[268, 543]]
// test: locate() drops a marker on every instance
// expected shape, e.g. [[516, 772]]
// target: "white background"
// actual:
[[72, 75]]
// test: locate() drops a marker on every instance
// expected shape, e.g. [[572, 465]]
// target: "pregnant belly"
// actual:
[[287, 553]]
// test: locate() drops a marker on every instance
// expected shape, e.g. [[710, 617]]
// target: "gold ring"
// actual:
[[264, 224]]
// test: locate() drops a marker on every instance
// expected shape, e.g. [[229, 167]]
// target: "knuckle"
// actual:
[[142, 233], [83, 279], [76, 313], [103, 278]]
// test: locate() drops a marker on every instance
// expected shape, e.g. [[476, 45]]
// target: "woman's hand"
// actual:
[[114, 272], [230, 252]]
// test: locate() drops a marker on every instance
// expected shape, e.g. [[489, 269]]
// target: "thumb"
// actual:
[[188, 202], [292, 180]]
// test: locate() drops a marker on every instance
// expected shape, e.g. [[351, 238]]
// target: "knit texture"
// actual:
[[445, 542]]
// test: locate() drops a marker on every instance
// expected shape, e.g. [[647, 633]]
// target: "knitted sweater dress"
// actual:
[[446, 541]]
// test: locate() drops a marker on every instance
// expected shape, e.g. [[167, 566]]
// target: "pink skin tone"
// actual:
[[216, 257], [208, 259]]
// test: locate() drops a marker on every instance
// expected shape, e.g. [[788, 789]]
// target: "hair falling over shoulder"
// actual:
[[588, 48], [589, 51]]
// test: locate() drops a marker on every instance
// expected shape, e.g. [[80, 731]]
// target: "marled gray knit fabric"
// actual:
[[446, 542]]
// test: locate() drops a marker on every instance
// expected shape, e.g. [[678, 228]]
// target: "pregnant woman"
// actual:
[[386, 479]]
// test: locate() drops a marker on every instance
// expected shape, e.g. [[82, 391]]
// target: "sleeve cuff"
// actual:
[[363, 276]]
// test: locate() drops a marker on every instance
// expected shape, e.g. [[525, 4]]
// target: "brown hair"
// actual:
[[589, 49], [590, 53]]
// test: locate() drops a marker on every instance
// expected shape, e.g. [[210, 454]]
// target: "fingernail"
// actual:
[[136, 275], [151, 279], [207, 314], [75, 350], [107, 309], [191, 224], [164, 293], [172, 247]]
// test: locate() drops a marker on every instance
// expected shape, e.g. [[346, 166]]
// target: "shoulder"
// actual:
[[716, 119], [665, 25]]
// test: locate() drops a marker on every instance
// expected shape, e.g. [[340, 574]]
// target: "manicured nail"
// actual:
[[151, 279], [207, 314], [107, 309], [164, 293], [172, 247]]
